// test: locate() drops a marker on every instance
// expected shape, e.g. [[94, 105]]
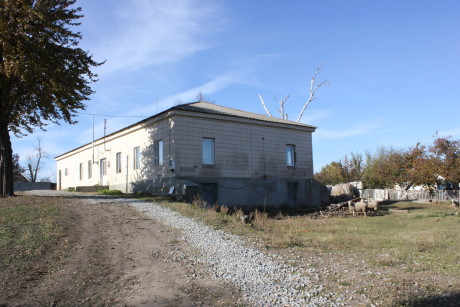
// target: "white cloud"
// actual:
[[220, 82], [115, 123], [359, 129], [454, 132], [144, 32], [313, 116]]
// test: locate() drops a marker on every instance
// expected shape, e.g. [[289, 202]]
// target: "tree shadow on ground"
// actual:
[[445, 300]]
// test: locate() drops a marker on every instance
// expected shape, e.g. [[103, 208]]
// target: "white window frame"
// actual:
[[118, 162], [81, 171], [137, 157], [290, 155], [159, 152], [90, 169], [208, 151]]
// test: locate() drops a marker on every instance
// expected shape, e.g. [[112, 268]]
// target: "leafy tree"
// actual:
[[353, 167], [420, 166], [332, 173], [446, 158], [345, 170], [44, 75], [18, 170], [386, 168]]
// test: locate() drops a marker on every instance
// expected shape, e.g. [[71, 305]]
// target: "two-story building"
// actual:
[[229, 156]]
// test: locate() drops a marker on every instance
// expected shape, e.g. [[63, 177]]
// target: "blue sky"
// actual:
[[393, 67]]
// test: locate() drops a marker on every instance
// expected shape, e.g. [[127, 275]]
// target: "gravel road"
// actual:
[[265, 280]]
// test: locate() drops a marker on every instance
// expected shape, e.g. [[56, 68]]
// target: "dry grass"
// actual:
[[428, 236]]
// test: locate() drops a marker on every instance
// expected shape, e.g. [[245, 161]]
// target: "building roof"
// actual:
[[207, 108], [210, 108]]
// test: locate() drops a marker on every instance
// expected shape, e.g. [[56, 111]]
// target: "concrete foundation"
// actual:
[[238, 192]]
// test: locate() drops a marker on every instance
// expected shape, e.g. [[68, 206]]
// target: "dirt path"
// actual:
[[113, 255]]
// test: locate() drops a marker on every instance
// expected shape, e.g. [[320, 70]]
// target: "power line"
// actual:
[[95, 114]]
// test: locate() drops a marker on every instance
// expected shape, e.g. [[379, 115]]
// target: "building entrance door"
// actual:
[[292, 195], [103, 172], [60, 180], [209, 193]]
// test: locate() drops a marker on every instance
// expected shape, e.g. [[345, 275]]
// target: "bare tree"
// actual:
[[34, 161], [280, 110], [201, 97], [263, 105], [314, 86]]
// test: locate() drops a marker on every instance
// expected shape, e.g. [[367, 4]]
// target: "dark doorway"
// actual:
[[292, 195], [209, 193], [60, 180]]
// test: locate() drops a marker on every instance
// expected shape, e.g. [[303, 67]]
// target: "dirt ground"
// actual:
[[113, 255]]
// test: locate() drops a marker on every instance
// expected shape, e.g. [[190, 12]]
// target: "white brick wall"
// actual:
[[124, 142], [243, 149]]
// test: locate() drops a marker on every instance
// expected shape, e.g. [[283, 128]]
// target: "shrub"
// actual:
[[198, 202], [110, 192]]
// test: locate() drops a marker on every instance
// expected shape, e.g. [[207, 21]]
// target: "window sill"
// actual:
[[207, 165]]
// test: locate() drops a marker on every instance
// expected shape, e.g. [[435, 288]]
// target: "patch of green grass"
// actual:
[[344, 283], [110, 192], [26, 231]]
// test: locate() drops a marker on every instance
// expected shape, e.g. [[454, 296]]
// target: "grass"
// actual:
[[27, 230], [110, 192], [425, 239]]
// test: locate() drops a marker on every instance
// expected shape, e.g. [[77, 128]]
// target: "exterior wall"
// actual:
[[261, 192], [250, 160], [243, 149], [125, 141]]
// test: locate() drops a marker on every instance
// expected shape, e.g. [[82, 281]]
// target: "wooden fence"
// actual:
[[395, 195]]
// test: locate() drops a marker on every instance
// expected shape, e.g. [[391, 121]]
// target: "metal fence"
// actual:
[[395, 195], [27, 186]]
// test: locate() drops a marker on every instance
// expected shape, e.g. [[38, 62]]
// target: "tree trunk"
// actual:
[[6, 162]]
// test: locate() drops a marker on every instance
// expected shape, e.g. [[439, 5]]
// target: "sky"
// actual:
[[393, 68]]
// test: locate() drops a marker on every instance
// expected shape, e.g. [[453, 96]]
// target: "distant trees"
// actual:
[[388, 167], [35, 161], [346, 170], [18, 170]]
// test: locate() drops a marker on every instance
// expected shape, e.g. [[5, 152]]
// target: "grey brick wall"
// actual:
[[243, 149]]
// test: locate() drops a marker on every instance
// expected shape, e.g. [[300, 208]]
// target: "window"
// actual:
[[290, 155], [81, 171], [159, 152], [118, 163], [208, 151], [137, 158], [90, 169], [66, 171]]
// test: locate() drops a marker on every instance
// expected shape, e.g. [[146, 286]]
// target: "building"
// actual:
[[228, 156]]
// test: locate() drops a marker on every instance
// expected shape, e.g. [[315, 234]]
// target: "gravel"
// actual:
[[264, 279]]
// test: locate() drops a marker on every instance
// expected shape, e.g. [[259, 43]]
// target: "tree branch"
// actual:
[[313, 90], [265, 107]]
